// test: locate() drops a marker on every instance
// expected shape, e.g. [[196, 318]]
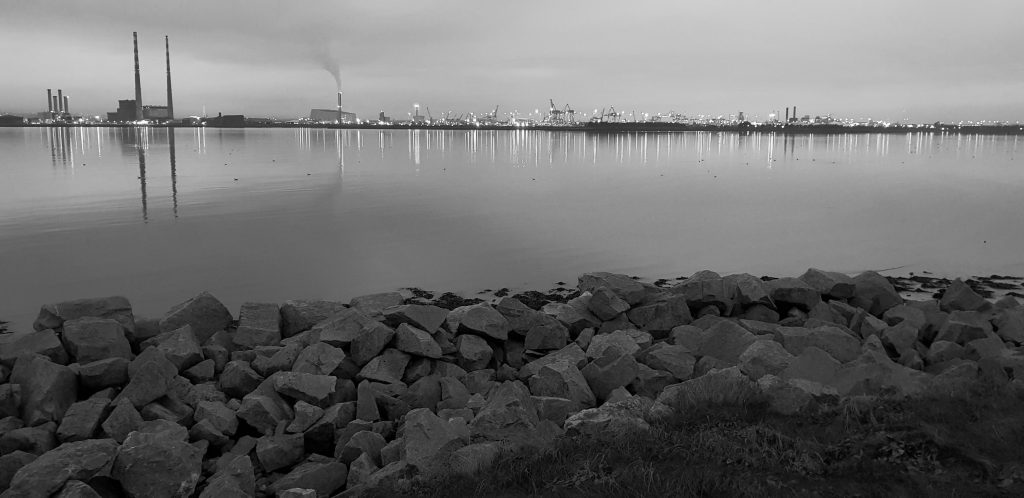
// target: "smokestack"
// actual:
[[138, 81], [339, 107], [60, 100], [787, 115], [170, 101], [49, 99], [67, 109], [794, 114], [53, 104]]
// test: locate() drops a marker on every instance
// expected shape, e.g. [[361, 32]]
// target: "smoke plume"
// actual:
[[327, 56]]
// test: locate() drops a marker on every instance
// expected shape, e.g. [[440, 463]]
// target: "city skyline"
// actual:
[[918, 61]]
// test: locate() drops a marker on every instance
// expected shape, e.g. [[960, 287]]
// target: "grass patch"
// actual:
[[969, 445]]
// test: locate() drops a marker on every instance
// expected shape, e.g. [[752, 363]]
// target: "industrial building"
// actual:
[[129, 110], [331, 116]]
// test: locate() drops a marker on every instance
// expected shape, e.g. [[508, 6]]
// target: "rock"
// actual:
[[509, 409], [238, 379], [719, 387], [661, 316], [373, 305], [366, 402], [812, 364], [555, 409], [964, 326], [873, 372], [793, 292], [79, 460], [234, 478], [424, 317], [764, 357], [1009, 324], [830, 283], [53, 316], [180, 346], [760, 313], [155, 466], [259, 324], [76, 489], [521, 318], [572, 352], [960, 297], [424, 393], [900, 338], [473, 352], [704, 289], [151, 375], [673, 359], [627, 289], [906, 314], [264, 410], [369, 343], [34, 439], [389, 367], [474, 458], [123, 419], [480, 319], [101, 374], [10, 400], [47, 389], [278, 452], [562, 379], [874, 293], [320, 436], [648, 382], [416, 342], [361, 443], [218, 415], [610, 371], [82, 419], [318, 358], [204, 313], [725, 341], [605, 305], [10, 463], [428, 439], [575, 318], [282, 359], [792, 396], [611, 420], [841, 345], [42, 342], [583, 340], [454, 393], [747, 290], [621, 341], [548, 335], [342, 328], [313, 389], [943, 351], [90, 339], [305, 416], [203, 371], [301, 315], [324, 478], [989, 347]]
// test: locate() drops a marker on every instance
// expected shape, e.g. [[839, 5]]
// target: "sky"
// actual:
[[916, 60]]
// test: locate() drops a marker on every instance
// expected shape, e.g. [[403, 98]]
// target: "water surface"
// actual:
[[276, 214]]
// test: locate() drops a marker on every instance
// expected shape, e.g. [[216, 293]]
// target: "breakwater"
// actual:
[[317, 398]]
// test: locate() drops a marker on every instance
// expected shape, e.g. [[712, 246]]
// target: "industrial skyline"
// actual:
[[267, 58]]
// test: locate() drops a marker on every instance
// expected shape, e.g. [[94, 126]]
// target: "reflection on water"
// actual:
[[265, 214]]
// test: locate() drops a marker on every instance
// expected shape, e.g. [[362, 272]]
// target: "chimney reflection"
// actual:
[[174, 170], [139, 137]]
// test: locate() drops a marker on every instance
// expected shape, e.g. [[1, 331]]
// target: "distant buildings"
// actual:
[[11, 120], [125, 112], [331, 116]]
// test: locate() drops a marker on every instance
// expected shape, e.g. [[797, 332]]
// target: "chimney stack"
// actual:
[[67, 109], [60, 100], [53, 104], [794, 114], [170, 101], [787, 115], [138, 81], [339, 107], [49, 99]]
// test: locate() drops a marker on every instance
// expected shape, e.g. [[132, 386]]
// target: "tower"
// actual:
[[49, 99], [138, 81], [170, 100]]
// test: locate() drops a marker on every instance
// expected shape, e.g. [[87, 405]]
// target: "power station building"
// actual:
[[331, 116], [129, 110]]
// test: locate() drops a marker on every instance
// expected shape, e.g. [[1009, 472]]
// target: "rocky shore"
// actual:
[[320, 398]]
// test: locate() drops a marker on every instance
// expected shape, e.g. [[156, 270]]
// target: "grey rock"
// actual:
[[605, 305], [575, 318], [318, 358], [305, 416], [265, 410], [562, 379], [572, 352], [416, 342], [964, 326], [361, 443], [610, 371], [661, 316], [82, 419], [509, 409], [180, 346], [719, 387], [428, 439], [313, 389], [218, 415], [154, 466], [33, 439], [611, 420], [90, 339], [547, 335], [203, 312], [239, 379], [123, 419], [629, 290], [764, 357], [301, 315], [673, 359], [80, 460], [705, 288], [830, 283], [53, 316], [43, 342], [747, 290], [204, 371], [794, 292], [151, 375], [234, 478], [389, 367], [259, 324], [341, 329], [960, 297], [47, 389], [10, 400], [369, 343], [521, 318], [480, 319], [1009, 325], [373, 305], [282, 359], [874, 293], [361, 470], [422, 316], [900, 337], [323, 478], [366, 402], [648, 383], [101, 374], [473, 352], [278, 452], [621, 341], [10, 463]]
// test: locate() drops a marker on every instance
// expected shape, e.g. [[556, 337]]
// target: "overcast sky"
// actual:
[[923, 60]]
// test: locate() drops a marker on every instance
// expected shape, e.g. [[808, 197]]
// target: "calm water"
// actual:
[[271, 215]]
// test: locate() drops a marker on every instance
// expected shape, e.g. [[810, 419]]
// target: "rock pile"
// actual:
[[318, 398]]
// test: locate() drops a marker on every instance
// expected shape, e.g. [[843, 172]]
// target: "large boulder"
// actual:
[[416, 342], [793, 292], [204, 313], [572, 352], [373, 305], [389, 367], [10, 463], [609, 372], [626, 288], [43, 342], [218, 415], [47, 389], [151, 375], [727, 386], [238, 379], [123, 419], [318, 358], [661, 316], [53, 316], [605, 305], [157, 465], [279, 451], [302, 314], [611, 420], [82, 419], [341, 328], [521, 318], [480, 319], [322, 477], [472, 352], [747, 290], [234, 478], [313, 389], [259, 324], [705, 288], [673, 359], [111, 372], [964, 326], [90, 339], [1009, 324], [562, 379], [547, 335], [180, 346], [576, 318], [874, 293], [422, 316], [369, 343], [764, 357], [509, 409], [726, 341], [80, 460], [429, 440], [264, 409], [830, 283], [961, 297], [813, 364], [874, 373]]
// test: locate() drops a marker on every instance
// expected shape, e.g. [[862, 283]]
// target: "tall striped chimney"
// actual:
[[60, 100], [170, 101], [67, 108], [339, 107], [49, 99], [138, 81]]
